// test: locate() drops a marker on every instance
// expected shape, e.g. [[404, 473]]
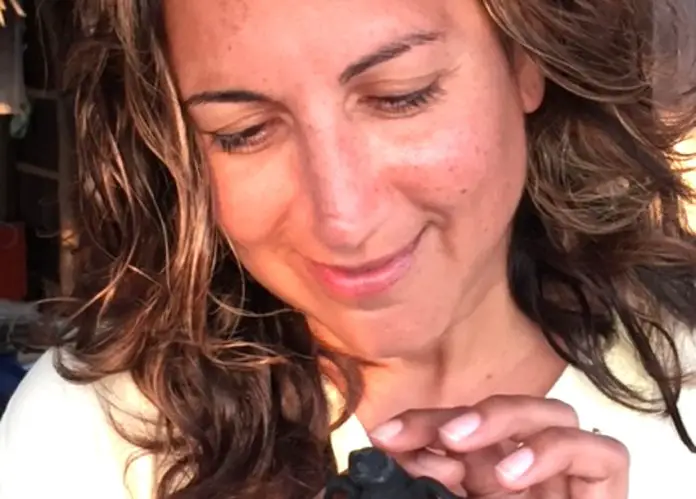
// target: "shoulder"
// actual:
[[63, 430]]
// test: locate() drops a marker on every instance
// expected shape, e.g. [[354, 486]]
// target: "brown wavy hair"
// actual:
[[600, 244]]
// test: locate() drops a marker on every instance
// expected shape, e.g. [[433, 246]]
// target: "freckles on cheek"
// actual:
[[442, 171], [249, 210]]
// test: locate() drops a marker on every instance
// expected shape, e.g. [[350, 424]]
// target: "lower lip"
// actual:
[[364, 284]]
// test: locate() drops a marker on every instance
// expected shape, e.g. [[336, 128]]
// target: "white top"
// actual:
[[56, 442]]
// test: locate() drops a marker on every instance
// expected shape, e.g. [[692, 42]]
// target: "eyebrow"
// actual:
[[385, 53], [388, 52], [225, 96]]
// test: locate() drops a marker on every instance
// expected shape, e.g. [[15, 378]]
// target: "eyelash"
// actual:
[[243, 141], [394, 106], [406, 104]]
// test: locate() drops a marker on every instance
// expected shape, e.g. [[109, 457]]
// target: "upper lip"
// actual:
[[371, 265]]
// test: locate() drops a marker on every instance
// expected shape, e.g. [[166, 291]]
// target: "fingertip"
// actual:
[[514, 468], [385, 433], [412, 430], [458, 430], [443, 468], [449, 472]]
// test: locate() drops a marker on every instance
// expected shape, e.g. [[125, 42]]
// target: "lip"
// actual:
[[366, 279]]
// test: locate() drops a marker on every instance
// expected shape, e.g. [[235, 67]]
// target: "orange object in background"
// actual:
[[13, 261]]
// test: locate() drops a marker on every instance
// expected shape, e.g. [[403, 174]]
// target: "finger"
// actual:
[[500, 418], [597, 466], [481, 479], [446, 470], [413, 430]]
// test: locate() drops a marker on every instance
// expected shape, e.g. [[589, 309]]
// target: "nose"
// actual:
[[343, 181]]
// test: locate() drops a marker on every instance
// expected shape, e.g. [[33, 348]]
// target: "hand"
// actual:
[[508, 446]]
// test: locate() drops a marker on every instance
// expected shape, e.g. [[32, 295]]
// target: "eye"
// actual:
[[245, 141], [405, 104]]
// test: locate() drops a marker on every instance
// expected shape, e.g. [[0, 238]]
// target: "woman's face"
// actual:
[[366, 156]]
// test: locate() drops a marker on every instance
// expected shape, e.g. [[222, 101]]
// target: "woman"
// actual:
[[447, 228]]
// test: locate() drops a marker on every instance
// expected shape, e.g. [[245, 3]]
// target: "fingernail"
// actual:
[[516, 464], [460, 428], [388, 430]]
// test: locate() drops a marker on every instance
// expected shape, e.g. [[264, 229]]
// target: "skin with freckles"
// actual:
[[316, 170], [367, 160], [312, 226]]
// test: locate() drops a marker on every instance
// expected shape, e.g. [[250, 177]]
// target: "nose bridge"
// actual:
[[342, 183]]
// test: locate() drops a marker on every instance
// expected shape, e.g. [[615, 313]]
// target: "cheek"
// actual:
[[465, 168], [474, 151], [249, 206]]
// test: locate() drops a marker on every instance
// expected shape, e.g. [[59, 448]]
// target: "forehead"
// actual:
[[211, 41]]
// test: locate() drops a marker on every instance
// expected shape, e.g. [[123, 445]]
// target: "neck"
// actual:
[[490, 349]]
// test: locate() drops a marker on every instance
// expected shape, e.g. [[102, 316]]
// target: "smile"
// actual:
[[367, 278]]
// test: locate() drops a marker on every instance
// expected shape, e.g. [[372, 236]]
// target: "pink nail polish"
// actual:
[[462, 427], [388, 430], [513, 467]]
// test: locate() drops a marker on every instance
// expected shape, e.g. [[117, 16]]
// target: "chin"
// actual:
[[405, 329], [381, 341]]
